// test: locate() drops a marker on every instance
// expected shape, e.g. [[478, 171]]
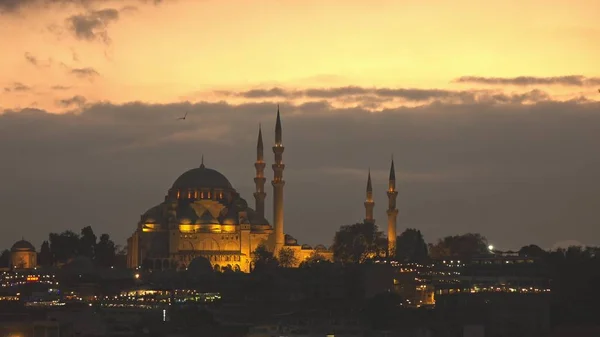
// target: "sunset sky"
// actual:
[[491, 110]]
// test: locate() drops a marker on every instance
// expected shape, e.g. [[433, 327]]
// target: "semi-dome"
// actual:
[[23, 245], [202, 177]]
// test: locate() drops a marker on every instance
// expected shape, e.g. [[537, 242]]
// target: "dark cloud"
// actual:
[[17, 87], [516, 173], [93, 24], [37, 62], [85, 73], [60, 87], [573, 80], [370, 95], [13, 6], [77, 101], [31, 59]]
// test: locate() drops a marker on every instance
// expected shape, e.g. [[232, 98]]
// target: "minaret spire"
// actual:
[[278, 183], [369, 203], [259, 180], [202, 162], [392, 211], [278, 138]]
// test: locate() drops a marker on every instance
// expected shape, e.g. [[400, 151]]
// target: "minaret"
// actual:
[[260, 179], [392, 211], [369, 203], [278, 184]]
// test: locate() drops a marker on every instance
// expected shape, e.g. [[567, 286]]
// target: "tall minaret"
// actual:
[[369, 203], [392, 211], [278, 184], [259, 180]]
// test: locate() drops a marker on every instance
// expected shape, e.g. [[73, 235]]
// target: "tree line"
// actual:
[[360, 242], [62, 247]]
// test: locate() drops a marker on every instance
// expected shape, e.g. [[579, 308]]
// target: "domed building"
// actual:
[[23, 255], [203, 215]]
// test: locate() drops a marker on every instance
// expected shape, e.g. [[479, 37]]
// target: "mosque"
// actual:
[[203, 215]]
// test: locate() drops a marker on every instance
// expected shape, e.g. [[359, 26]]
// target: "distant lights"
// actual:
[[491, 247]]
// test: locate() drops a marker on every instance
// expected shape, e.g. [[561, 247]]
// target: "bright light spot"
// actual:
[[490, 247], [137, 275]]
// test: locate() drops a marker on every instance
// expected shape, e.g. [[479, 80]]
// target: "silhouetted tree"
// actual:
[[87, 242], [105, 251], [356, 243], [45, 255], [575, 275], [314, 259], [5, 259], [411, 247], [287, 258], [532, 251], [199, 266], [459, 246], [121, 257], [263, 259], [64, 246]]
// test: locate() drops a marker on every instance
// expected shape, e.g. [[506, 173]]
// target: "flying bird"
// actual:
[[184, 116]]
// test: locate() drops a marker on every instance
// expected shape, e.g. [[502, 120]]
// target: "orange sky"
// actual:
[[168, 52]]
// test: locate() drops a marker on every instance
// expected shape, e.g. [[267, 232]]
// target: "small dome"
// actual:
[[290, 240], [320, 247], [305, 246], [202, 177], [151, 215], [231, 218], [22, 245]]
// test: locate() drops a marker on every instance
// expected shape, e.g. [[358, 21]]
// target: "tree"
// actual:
[[532, 251], [199, 266], [459, 246], [411, 247], [356, 243], [87, 242], [121, 257], [45, 256], [5, 259], [105, 251], [64, 246], [287, 258], [262, 259], [314, 259]]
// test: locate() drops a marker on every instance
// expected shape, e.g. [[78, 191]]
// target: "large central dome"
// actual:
[[202, 177]]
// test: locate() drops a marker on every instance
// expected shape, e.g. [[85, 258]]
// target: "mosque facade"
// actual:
[[203, 215]]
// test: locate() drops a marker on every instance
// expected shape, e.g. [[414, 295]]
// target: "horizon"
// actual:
[[491, 113]]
